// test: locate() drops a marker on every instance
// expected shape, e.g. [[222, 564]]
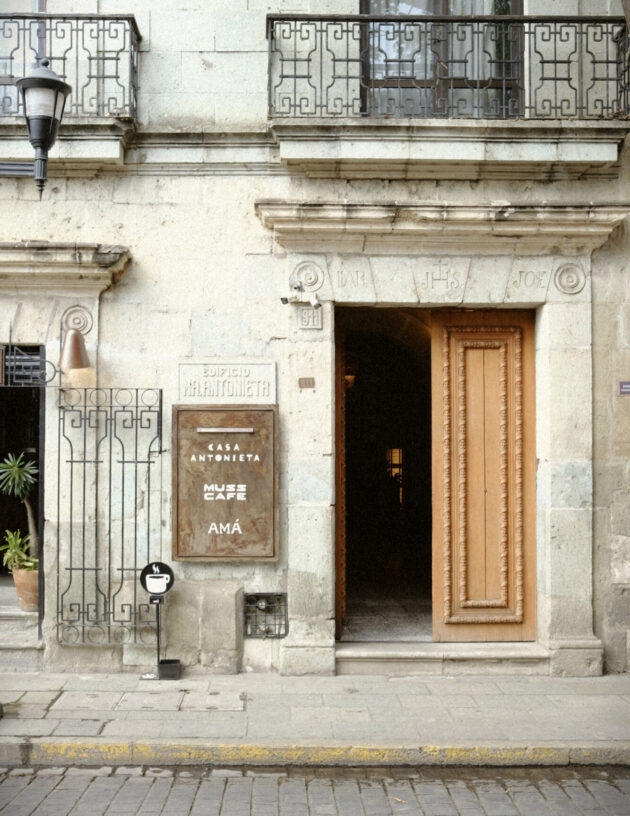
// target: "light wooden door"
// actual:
[[483, 452]]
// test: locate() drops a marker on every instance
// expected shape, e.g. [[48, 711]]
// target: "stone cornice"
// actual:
[[60, 268], [416, 228], [335, 148]]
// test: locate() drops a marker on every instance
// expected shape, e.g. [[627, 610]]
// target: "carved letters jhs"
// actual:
[[440, 275]]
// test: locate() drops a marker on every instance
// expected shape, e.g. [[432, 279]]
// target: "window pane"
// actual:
[[442, 7]]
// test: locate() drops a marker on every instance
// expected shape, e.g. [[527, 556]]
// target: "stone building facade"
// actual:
[[394, 272]]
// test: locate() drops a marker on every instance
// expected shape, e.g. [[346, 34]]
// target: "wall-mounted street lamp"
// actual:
[[73, 354], [44, 96], [74, 363]]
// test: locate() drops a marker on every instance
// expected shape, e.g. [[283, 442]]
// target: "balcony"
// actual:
[[449, 97], [449, 67], [98, 56]]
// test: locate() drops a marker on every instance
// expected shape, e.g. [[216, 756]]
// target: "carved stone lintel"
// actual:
[[60, 268]]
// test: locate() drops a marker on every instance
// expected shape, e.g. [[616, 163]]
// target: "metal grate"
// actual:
[[266, 615]]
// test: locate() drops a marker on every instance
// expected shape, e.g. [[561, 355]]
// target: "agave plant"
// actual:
[[18, 476], [16, 555]]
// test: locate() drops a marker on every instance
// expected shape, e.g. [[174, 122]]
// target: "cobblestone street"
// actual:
[[314, 792]]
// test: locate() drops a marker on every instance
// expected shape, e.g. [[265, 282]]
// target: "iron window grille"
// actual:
[[266, 615], [24, 366]]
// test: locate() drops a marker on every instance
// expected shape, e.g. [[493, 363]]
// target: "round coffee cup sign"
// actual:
[[157, 578]]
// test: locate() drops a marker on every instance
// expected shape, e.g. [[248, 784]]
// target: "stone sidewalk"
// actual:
[[271, 720]]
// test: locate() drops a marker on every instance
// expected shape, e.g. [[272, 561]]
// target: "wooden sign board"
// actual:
[[224, 483]]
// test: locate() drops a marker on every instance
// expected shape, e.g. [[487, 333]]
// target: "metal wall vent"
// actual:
[[266, 615]]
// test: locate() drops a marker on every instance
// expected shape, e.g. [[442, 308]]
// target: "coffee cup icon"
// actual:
[[157, 583]]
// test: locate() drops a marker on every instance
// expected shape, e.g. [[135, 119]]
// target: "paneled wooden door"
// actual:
[[483, 464]]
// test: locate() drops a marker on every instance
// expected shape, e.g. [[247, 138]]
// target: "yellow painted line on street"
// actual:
[[48, 751], [77, 752], [245, 754], [490, 755]]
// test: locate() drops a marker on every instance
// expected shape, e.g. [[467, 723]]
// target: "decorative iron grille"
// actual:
[[494, 67], [266, 615], [109, 513], [26, 367], [96, 54]]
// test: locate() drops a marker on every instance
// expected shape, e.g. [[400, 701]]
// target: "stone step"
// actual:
[[13, 619], [20, 647], [21, 657], [398, 659]]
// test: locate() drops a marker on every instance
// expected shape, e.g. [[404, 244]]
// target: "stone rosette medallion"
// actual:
[[569, 279]]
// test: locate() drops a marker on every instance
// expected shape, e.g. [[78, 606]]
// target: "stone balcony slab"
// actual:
[[84, 147], [450, 149]]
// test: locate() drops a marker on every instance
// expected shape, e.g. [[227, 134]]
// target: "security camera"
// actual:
[[301, 296]]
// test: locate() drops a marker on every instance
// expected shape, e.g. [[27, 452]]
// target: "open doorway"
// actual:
[[20, 432], [384, 436], [22, 405]]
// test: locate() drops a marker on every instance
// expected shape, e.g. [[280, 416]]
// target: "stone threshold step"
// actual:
[[437, 651], [431, 658]]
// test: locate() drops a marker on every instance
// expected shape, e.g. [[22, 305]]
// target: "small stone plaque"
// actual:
[[310, 318], [306, 382]]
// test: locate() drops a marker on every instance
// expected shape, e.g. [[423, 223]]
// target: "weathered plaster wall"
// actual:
[[206, 281]]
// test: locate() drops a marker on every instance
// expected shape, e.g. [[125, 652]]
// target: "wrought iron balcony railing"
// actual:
[[501, 67], [96, 54]]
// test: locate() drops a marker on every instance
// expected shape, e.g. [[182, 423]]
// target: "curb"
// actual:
[[45, 752]]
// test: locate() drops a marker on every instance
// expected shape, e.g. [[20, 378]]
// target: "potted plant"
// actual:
[[18, 476], [23, 567]]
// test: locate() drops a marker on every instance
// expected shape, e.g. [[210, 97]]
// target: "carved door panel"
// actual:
[[340, 482], [483, 451]]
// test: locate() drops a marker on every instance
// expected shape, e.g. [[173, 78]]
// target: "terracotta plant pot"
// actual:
[[27, 586]]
